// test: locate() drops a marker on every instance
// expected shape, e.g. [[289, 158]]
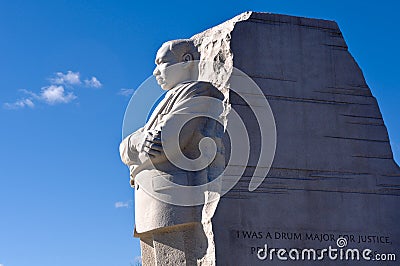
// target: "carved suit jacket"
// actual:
[[187, 102]]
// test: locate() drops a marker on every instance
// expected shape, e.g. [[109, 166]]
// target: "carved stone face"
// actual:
[[172, 68]]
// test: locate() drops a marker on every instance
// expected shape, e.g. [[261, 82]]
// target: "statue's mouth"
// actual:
[[160, 81]]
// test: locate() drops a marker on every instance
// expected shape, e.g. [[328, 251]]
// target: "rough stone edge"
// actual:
[[216, 66], [216, 60]]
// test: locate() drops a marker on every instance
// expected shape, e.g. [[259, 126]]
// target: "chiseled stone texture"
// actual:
[[333, 171], [176, 245]]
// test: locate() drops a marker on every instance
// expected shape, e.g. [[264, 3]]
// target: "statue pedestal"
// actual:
[[177, 245]]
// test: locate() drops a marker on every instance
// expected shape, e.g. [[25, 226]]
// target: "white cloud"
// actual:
[[70, 78], [126, 92], [52, 94], [93, 83], [19, 104], [56, 94], [121, 204], [59, 91], [73, 79]]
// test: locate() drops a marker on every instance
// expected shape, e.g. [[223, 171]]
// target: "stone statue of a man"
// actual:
[[150, 156]]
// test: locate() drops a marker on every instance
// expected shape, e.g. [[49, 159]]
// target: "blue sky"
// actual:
[[65, 65]]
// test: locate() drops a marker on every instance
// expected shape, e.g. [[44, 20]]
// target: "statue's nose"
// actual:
[[156, 71]]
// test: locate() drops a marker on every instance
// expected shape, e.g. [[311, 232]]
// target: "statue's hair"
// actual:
[[183, 46]]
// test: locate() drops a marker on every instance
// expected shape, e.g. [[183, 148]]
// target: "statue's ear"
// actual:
[[186, 60], [187, 57]]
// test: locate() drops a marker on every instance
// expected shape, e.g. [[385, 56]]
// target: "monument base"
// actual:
[[331, 196], [176, 245]]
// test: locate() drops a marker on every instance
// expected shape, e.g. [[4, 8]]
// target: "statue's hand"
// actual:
[[152, 145]]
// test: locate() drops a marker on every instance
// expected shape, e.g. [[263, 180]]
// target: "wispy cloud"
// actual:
[[126, 92], [93, 83], [59, 91], [19, 104], [123, 204]]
